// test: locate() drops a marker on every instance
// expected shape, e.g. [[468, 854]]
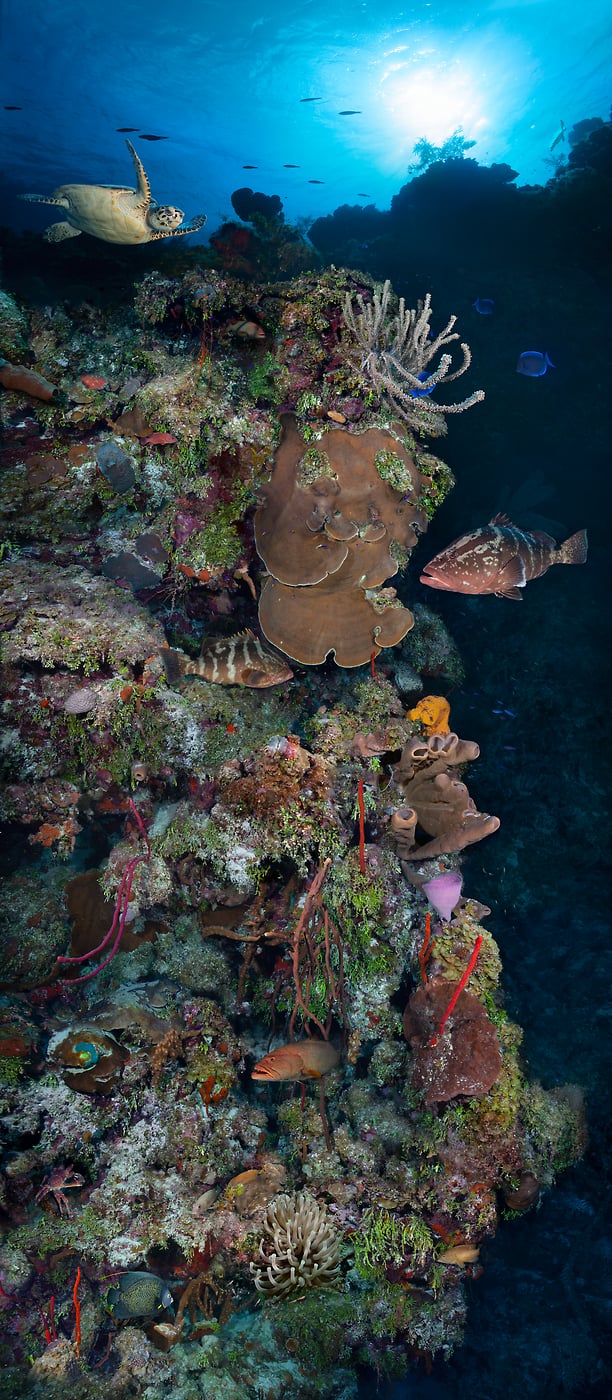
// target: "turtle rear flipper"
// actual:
[[56, 233], [197, 222], [45, 199], [143, 188]]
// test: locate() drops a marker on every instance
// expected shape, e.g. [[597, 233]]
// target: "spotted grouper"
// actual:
[[301, 1059], [500, 558]]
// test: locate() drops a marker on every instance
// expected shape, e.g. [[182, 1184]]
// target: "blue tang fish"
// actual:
[[533, 363], [422, 393], [484, 306], [500, 558]]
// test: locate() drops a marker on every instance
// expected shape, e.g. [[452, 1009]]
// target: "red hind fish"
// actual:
[[499, 558]]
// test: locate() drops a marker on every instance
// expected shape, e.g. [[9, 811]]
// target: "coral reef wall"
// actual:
[[211, 902]]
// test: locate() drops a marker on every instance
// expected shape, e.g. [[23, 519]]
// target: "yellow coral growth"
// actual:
[[433, 712]]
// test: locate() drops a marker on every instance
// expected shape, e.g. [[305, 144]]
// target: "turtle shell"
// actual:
[[111, 212]]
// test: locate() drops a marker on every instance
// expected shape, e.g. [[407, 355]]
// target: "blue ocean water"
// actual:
[[323, 105], [264, 87]]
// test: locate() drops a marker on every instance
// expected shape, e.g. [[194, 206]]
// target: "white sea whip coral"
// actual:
[[397, 349], [300, 1248]]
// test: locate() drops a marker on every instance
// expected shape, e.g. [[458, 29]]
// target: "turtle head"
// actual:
[[164, 218]]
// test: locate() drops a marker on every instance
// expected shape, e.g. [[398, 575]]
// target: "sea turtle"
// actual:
[[115, 213]]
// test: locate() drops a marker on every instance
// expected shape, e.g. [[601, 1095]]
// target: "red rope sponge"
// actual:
[[362, 864], [458, 990]]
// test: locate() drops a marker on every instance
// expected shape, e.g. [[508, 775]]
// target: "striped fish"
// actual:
[[500, 558], [238, 660]]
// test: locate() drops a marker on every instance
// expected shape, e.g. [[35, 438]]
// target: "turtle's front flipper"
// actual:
[[44, 199], [197, 222], [56, 233], [143, 188]]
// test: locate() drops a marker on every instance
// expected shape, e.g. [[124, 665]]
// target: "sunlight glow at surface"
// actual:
[[434, 102], [425, 80]]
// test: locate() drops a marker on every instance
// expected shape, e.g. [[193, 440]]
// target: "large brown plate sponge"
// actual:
[[329, 530]]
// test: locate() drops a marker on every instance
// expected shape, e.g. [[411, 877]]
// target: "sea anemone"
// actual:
[[300, 1248]]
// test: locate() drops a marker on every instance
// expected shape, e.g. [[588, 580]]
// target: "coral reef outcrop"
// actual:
[[213, 915]]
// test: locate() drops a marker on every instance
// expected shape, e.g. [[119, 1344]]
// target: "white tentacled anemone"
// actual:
[[300, 1247]]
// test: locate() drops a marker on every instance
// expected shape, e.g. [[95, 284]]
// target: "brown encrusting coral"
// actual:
[[465, 1059], [440, 803], [327, 531], [90, 1059]]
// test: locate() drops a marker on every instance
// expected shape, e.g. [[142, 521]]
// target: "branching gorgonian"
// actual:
[[394, 352]]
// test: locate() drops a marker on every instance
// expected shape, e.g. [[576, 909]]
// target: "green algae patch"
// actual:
[[386, 1241]]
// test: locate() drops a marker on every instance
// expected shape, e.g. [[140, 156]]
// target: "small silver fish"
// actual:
[[560, 136], [500, 558], [238, 660]]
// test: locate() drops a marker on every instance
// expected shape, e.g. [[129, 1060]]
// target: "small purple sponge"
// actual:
[[443, 892]]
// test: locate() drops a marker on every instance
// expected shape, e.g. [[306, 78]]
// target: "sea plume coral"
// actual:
[[300, 1248]]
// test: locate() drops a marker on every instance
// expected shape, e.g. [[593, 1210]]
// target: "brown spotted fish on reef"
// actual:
[[238, 660], [500, 558]]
